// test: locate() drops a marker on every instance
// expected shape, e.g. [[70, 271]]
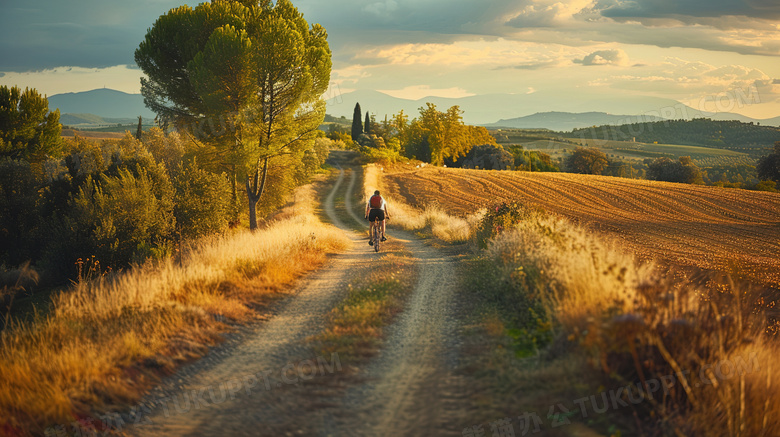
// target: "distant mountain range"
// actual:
[[578, 113], [567, 121], [104, 102], [530, 110]]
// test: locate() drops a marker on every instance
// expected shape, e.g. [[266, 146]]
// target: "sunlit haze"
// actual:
[[713, 56]]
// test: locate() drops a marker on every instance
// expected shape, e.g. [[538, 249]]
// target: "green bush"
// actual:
[[118, 219], [18, 214], [203, 204], [124, 215], [167, 149], [314, 158], [377, 150], [514, 300], [770, 186], [586, 161], [499, 218], [682, 171], [530, 160], [768, 167]]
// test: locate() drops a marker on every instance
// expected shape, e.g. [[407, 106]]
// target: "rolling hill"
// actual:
[[698, 132]]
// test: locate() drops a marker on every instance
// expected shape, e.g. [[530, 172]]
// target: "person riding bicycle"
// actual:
[[376, 211]]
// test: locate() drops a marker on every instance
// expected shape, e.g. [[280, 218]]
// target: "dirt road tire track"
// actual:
[[408, 389], [411, 386]]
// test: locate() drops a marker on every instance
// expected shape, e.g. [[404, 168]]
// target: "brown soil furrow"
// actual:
[[677, 224]]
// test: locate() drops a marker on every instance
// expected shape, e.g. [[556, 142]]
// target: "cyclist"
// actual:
[[376, 211]]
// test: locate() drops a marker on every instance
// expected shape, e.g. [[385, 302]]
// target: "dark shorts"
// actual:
[[376, 215]]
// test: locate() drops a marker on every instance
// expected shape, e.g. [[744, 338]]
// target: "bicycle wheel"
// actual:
[[376, 238]]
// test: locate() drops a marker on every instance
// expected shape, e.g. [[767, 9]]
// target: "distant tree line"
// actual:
[[436, 137], [764, 177], [732, 135]]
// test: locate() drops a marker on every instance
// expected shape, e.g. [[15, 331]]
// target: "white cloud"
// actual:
[[381, 8], [543, 13], [688, 80], [615, 57], [500, 53], [349, 74], [417, 92]]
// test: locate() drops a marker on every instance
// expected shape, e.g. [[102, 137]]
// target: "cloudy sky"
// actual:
[[715, 55]]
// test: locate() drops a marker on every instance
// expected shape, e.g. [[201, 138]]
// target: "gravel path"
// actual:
[[411, 387], [268, 382], [242, 392]]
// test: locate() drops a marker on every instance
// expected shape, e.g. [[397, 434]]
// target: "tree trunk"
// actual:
[[234, 207], [253, 212], [254, 189]]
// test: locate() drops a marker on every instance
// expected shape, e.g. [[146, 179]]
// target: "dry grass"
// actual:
[[637, 322], [443, 226], [355, 328], [732, 231], [707, 336], [107, 341]]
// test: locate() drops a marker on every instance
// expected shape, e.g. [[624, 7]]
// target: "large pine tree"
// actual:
[[357, 123], [246, 79]]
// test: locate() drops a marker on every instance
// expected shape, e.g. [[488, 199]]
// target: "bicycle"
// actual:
[[376, 235]]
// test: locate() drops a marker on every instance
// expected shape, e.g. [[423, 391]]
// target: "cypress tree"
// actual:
[[357, 123], [367, 125], [140, 129]]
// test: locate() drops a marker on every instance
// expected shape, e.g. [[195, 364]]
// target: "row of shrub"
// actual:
[[118, 201]]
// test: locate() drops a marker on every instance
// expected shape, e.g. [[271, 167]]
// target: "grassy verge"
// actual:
[[691, 352], [107, 341], [513, 367], [355, 327]]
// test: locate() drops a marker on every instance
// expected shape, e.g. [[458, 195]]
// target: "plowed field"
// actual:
[[677, 224]]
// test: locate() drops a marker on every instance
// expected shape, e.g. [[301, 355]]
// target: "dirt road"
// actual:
[[268, 382], [411, 388]]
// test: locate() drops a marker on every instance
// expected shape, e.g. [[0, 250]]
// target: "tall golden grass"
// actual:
[[705, 337], [442, 225], [107, 341]]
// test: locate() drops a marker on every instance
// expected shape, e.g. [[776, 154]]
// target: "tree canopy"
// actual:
[[245, 79], [586, 161], [357, 122], [683, 171], [487, 157], [768, 167], [28, 130], [436, 136]]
